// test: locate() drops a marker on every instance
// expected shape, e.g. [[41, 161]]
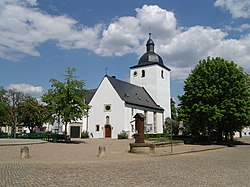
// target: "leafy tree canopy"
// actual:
[[4, 108], [66, 99], [173, 110], [32, 113], [216, 98], [171, 126], [14, 97]]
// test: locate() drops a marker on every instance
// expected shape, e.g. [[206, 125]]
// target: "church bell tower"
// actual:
[[154, 76]]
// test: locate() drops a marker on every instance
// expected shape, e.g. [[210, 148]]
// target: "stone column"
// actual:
[[25, 152]]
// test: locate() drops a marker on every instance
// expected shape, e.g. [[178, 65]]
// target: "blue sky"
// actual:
[[39, 39]]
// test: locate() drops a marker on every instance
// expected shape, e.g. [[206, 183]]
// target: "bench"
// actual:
[[56, 137], [133, 147]]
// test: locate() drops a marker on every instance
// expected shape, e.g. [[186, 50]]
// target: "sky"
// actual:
[[39, 39]]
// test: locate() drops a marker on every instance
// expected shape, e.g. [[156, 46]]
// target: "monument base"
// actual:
[[142, 148]]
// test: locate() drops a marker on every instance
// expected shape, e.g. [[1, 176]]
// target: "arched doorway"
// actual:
[[108, 131]]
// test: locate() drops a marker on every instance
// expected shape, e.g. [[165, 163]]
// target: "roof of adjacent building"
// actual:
[[91, 93], [150, 57]]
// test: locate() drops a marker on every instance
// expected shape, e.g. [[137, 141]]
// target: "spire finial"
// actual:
[[150, 35], [106, 69]]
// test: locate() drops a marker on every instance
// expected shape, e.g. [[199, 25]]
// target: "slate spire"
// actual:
[[150, 44]]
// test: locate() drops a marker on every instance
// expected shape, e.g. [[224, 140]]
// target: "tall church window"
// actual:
[[155, 122], [162, 74], [107, 120], [97, 128], [143, 73]]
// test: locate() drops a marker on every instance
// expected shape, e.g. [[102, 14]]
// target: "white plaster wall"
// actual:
[[121, 116], [97, 115], [246, 132], [85, 124], [128, 121], [163, 90], [156, 86]]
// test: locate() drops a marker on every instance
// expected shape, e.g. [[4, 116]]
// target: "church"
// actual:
[[115, 102]]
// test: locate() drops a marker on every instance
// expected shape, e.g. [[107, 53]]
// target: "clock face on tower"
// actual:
[[135, 73]]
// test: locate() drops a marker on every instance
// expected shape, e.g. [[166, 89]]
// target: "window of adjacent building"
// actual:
[[97, 128], [19, 129], [107, 108], [143, 73]]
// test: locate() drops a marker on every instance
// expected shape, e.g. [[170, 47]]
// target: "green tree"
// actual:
[[5, 109], [216, 98], [66, 99], [15, 97], [32, 113], [171, 124], [173, 109]]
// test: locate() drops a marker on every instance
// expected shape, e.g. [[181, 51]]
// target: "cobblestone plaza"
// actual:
[[220, 167]]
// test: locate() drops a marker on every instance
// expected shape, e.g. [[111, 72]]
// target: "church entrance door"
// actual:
[[107, 131]]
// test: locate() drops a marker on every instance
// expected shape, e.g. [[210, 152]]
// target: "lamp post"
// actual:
[[171, 138]]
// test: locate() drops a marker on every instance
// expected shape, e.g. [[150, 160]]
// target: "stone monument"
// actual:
[[25, 152], [139, 128], [101, 151], [139, 136], [181, 128]]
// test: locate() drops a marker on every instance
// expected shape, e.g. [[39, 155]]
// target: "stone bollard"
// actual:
[[25, 152], [101, 151]]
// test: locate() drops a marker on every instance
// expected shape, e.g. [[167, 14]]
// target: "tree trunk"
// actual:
[[231, 136], [65, 132], [219, 135], [226, 136], [209, 134]]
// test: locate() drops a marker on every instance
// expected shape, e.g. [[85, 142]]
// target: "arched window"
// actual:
[[107, 120], [162, 74], [143, 73]]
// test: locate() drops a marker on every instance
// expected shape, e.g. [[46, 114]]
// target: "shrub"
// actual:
[[123, 135], [85, 134]]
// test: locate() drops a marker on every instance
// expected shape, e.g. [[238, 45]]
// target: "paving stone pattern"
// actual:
[[222, 167]]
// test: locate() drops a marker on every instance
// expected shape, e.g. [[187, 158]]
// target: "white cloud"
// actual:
[[238, 8], [128, 34], [26, 88], [197, 43], [191, 45], [235, 50], [181, 49], [23, 27], [241, 28], [180, 73]]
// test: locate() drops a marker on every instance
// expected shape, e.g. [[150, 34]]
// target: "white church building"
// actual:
[[114, 103]]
